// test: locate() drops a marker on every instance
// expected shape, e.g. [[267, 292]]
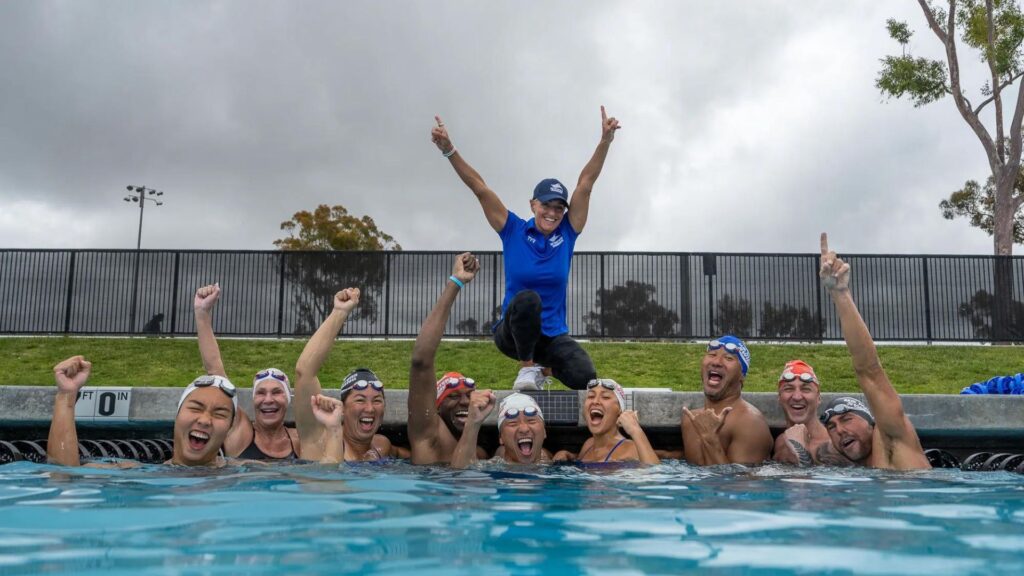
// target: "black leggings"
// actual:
[[518, 336]]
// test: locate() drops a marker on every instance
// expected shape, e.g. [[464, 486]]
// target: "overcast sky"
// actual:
[[747, 126]]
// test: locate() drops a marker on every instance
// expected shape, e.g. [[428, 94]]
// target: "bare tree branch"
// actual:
[[1002, 86], [948, 38]]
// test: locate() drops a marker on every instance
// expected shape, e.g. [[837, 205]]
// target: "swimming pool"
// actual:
[[399, 519]]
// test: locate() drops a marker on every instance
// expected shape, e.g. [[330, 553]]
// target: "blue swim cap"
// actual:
[[734, 346]]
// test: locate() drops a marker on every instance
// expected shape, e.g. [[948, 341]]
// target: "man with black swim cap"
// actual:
[[877, 433]]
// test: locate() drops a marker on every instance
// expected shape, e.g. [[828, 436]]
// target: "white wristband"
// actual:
[[449, 153]]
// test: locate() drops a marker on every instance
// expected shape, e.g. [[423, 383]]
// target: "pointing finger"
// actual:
[[824, 243], [438, 120], [604, 115]]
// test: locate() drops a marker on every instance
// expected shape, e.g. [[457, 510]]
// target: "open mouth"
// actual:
[[366, 423], [197, 440], [596, 416], [525, 446], [715, 377], [798, 407], [269, 410], [460, 416], [847, 443]]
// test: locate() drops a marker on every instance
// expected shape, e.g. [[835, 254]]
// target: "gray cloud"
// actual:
[[747, 127]]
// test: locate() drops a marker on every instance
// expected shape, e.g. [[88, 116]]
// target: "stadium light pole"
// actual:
[[138, 194]]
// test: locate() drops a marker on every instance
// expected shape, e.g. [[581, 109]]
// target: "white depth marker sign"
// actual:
[[108, 403]]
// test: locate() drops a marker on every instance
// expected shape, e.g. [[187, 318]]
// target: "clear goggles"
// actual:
[[788, 376], [225, 385], [513, 413]]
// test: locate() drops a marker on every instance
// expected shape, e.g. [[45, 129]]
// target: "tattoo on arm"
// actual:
[[802, 455]]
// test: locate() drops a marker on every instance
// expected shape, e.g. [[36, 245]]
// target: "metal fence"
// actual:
[[611, 295]]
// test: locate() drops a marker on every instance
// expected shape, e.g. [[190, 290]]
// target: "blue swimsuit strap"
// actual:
[[619, 443]]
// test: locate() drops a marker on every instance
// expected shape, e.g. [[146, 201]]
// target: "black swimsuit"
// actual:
[[253, 452]]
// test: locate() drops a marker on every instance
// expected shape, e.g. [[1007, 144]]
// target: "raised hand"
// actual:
[[439, 135], [481, 403], [706, 421], [835, 274], [71, 374], [798, 433], [466, 266], [328, 411], [345, 300], [206, 297], [608, 126], [629, 422]]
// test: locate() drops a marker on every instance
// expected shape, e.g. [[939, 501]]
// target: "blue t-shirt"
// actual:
[[533, 262]]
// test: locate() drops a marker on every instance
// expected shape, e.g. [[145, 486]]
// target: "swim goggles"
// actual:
[[730, 347], [788, 376], [603, 382], [844, 405], [275, 374], [362, 385], [513, 413], [219, 382], [453, 382], [223, 384]]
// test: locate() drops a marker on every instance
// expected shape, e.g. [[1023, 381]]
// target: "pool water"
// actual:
[[400, 519]]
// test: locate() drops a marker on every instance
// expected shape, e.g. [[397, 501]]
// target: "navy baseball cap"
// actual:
[[551, 189]]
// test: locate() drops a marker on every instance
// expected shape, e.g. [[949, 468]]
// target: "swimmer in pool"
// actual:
[[805, 441], [605, 412], [878, 434], [206, 411], [362, 397], [521, 430], [728, 429], [438, 408], [266, 437]]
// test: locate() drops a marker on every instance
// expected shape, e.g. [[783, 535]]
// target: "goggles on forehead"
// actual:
[[730, 347], [223, 384], [279, 376], [602, 383], [513, 413], [788, 376], [363, 385], [453, 382]]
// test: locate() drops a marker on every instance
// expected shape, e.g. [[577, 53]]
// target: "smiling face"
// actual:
[[454, 409], [363, 414], [851, 435], [800, 401], [721, 374], [547, 215], [270, 403], [601, 409], [523, 438], [201, 426]]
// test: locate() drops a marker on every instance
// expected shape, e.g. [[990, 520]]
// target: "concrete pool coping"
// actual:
[[931, 414]]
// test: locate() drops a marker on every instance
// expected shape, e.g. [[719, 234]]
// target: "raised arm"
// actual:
[[422, 378], [882, 398], [579, 204], [329, 413], [481, 403], [629, 422], [205, 299], [62, 443], [308, 366], [494, 210]]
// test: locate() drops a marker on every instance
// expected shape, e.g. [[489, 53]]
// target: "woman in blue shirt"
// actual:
[[538, 255]]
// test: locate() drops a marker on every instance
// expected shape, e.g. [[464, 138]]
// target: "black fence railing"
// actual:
[[611, 295]]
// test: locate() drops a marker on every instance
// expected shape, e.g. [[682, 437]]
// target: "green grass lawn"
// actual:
[[175, 362]]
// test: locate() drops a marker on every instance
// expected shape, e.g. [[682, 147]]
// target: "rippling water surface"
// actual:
[[396, 518]]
